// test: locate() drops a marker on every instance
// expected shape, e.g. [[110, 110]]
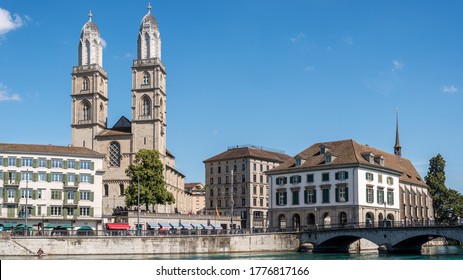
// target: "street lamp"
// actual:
[[27, 194], [232, 201], [385, 205], [138, 205]]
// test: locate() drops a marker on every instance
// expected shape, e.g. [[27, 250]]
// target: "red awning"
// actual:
[[117, 226]]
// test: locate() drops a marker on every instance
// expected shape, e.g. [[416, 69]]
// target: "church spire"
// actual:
[[397, 147]]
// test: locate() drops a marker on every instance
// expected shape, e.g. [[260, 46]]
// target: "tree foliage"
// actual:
[[447, 203], [147, 176]]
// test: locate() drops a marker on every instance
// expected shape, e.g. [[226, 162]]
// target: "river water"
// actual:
[[433, 253]]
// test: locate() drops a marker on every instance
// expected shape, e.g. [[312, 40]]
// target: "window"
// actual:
[[235, 168], [121, 190], [281, 180], [243, 202], [261, 190], [85, 83], [341, 175], [390, 181], [42, 176], [227, 180], [227, 169], [211, 192], [296, 179], [26, 176], [243, 167], [261, 179], [211, 204], [370, 195], [12, 161], [11, 193], [219, 191], [325, 195], [106, 190], [146, 106], [254, 167], [254, 178], [86, 112], [42, 162], [27, 162], [254, 190], [254, 202], [369, 176], [310, 178], [85, 178], [243, 178], [71, 178], [281, 198], [211, 170], [70, 211], [40, 193], [56, 177], [71, 195], [261, 202], [85, 195], [72, 164], [310, 196], [85, 165], [146, 78], [23, 193], [57, 163], [114, 154], [84, 211], [219, 169], [295, 194], [219, 180], [380, 196], [56, 194], [219, 203], [55, 210], [380, 178], [342, 194], [211, 181], [390, 197], [325, 177]]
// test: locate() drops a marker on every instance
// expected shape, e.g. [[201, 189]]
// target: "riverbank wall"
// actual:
[[129, 245]]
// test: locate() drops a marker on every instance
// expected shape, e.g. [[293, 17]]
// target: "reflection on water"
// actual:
[[431, 253]]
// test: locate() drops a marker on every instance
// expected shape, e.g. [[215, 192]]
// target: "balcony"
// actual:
[[10, 184]]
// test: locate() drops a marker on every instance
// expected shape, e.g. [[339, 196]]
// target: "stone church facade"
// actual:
[[145, 130]]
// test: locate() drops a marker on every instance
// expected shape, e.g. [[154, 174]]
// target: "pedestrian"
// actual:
[[40, 252]]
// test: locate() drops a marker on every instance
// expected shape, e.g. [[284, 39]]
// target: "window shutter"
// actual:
[[77, 165], [76, 212], [48, 177], [48, 163], [337, 194], [291, 180], [65, 212], [76, 197], [5, 177], [392, 198], [18, 177], [18, 162], [65, 200], [92, 196], [277, 198], [92, 165], [91, 212], [305, 197], [65, 179], [60, 194], [377, 196], [35, 163], [346, 175], [5, 195], [336, 176], [35, 194], [65, 164], [5, 162], [314, 196], [48, 211], [285, 198], [347, 194], [35, 177], [17, 195], [92, 179], [76, 180], [34, 210], [366, 194]]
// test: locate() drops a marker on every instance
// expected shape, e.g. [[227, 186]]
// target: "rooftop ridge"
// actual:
[[255, 147]]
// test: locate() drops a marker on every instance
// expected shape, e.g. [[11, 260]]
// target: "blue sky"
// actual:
[[277, 74]]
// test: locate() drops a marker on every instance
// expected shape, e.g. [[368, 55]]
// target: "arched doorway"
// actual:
[[296, 222], [326, 220], [391, 218], [282, 222], [369, 219], [343, 219], [311, 219]]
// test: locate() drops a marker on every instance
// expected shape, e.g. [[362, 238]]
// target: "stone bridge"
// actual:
[[390, 239]]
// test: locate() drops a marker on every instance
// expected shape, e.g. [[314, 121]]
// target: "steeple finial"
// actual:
[[397, 147], [149, 7], [90, 15]]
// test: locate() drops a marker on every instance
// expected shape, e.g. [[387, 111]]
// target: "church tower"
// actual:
[[89, 89], [149, 90]]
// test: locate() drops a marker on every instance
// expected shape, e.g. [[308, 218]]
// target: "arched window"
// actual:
[[121, 190], [343, 218], [87, 52], [282, 221], [106, 190], [86, 112], [146, 106], [147, 45], [85, 83], [146, 78], [114, 154]]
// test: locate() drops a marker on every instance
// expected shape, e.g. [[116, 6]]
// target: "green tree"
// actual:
[[447, 203], [147, 175]]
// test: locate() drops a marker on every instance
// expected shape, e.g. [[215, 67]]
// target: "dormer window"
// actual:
[[369, 157], [329, 157], [379, 160], [299, 161], [323, 149]]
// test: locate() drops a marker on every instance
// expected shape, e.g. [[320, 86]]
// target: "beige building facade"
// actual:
[[237, 177], [145, 130]]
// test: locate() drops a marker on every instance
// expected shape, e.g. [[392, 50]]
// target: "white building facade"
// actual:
[[344, 183], [56, 185]]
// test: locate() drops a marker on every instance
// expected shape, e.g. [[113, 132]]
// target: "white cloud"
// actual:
[[298, 37], [103, 42], [309, 68], [348, 40], [449, 89], [8, 23], [397, 65], [5, 95]]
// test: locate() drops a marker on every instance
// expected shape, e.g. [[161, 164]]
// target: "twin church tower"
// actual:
[[146, 129]]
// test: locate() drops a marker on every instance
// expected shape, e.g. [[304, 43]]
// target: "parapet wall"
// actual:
[[149, 245]]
